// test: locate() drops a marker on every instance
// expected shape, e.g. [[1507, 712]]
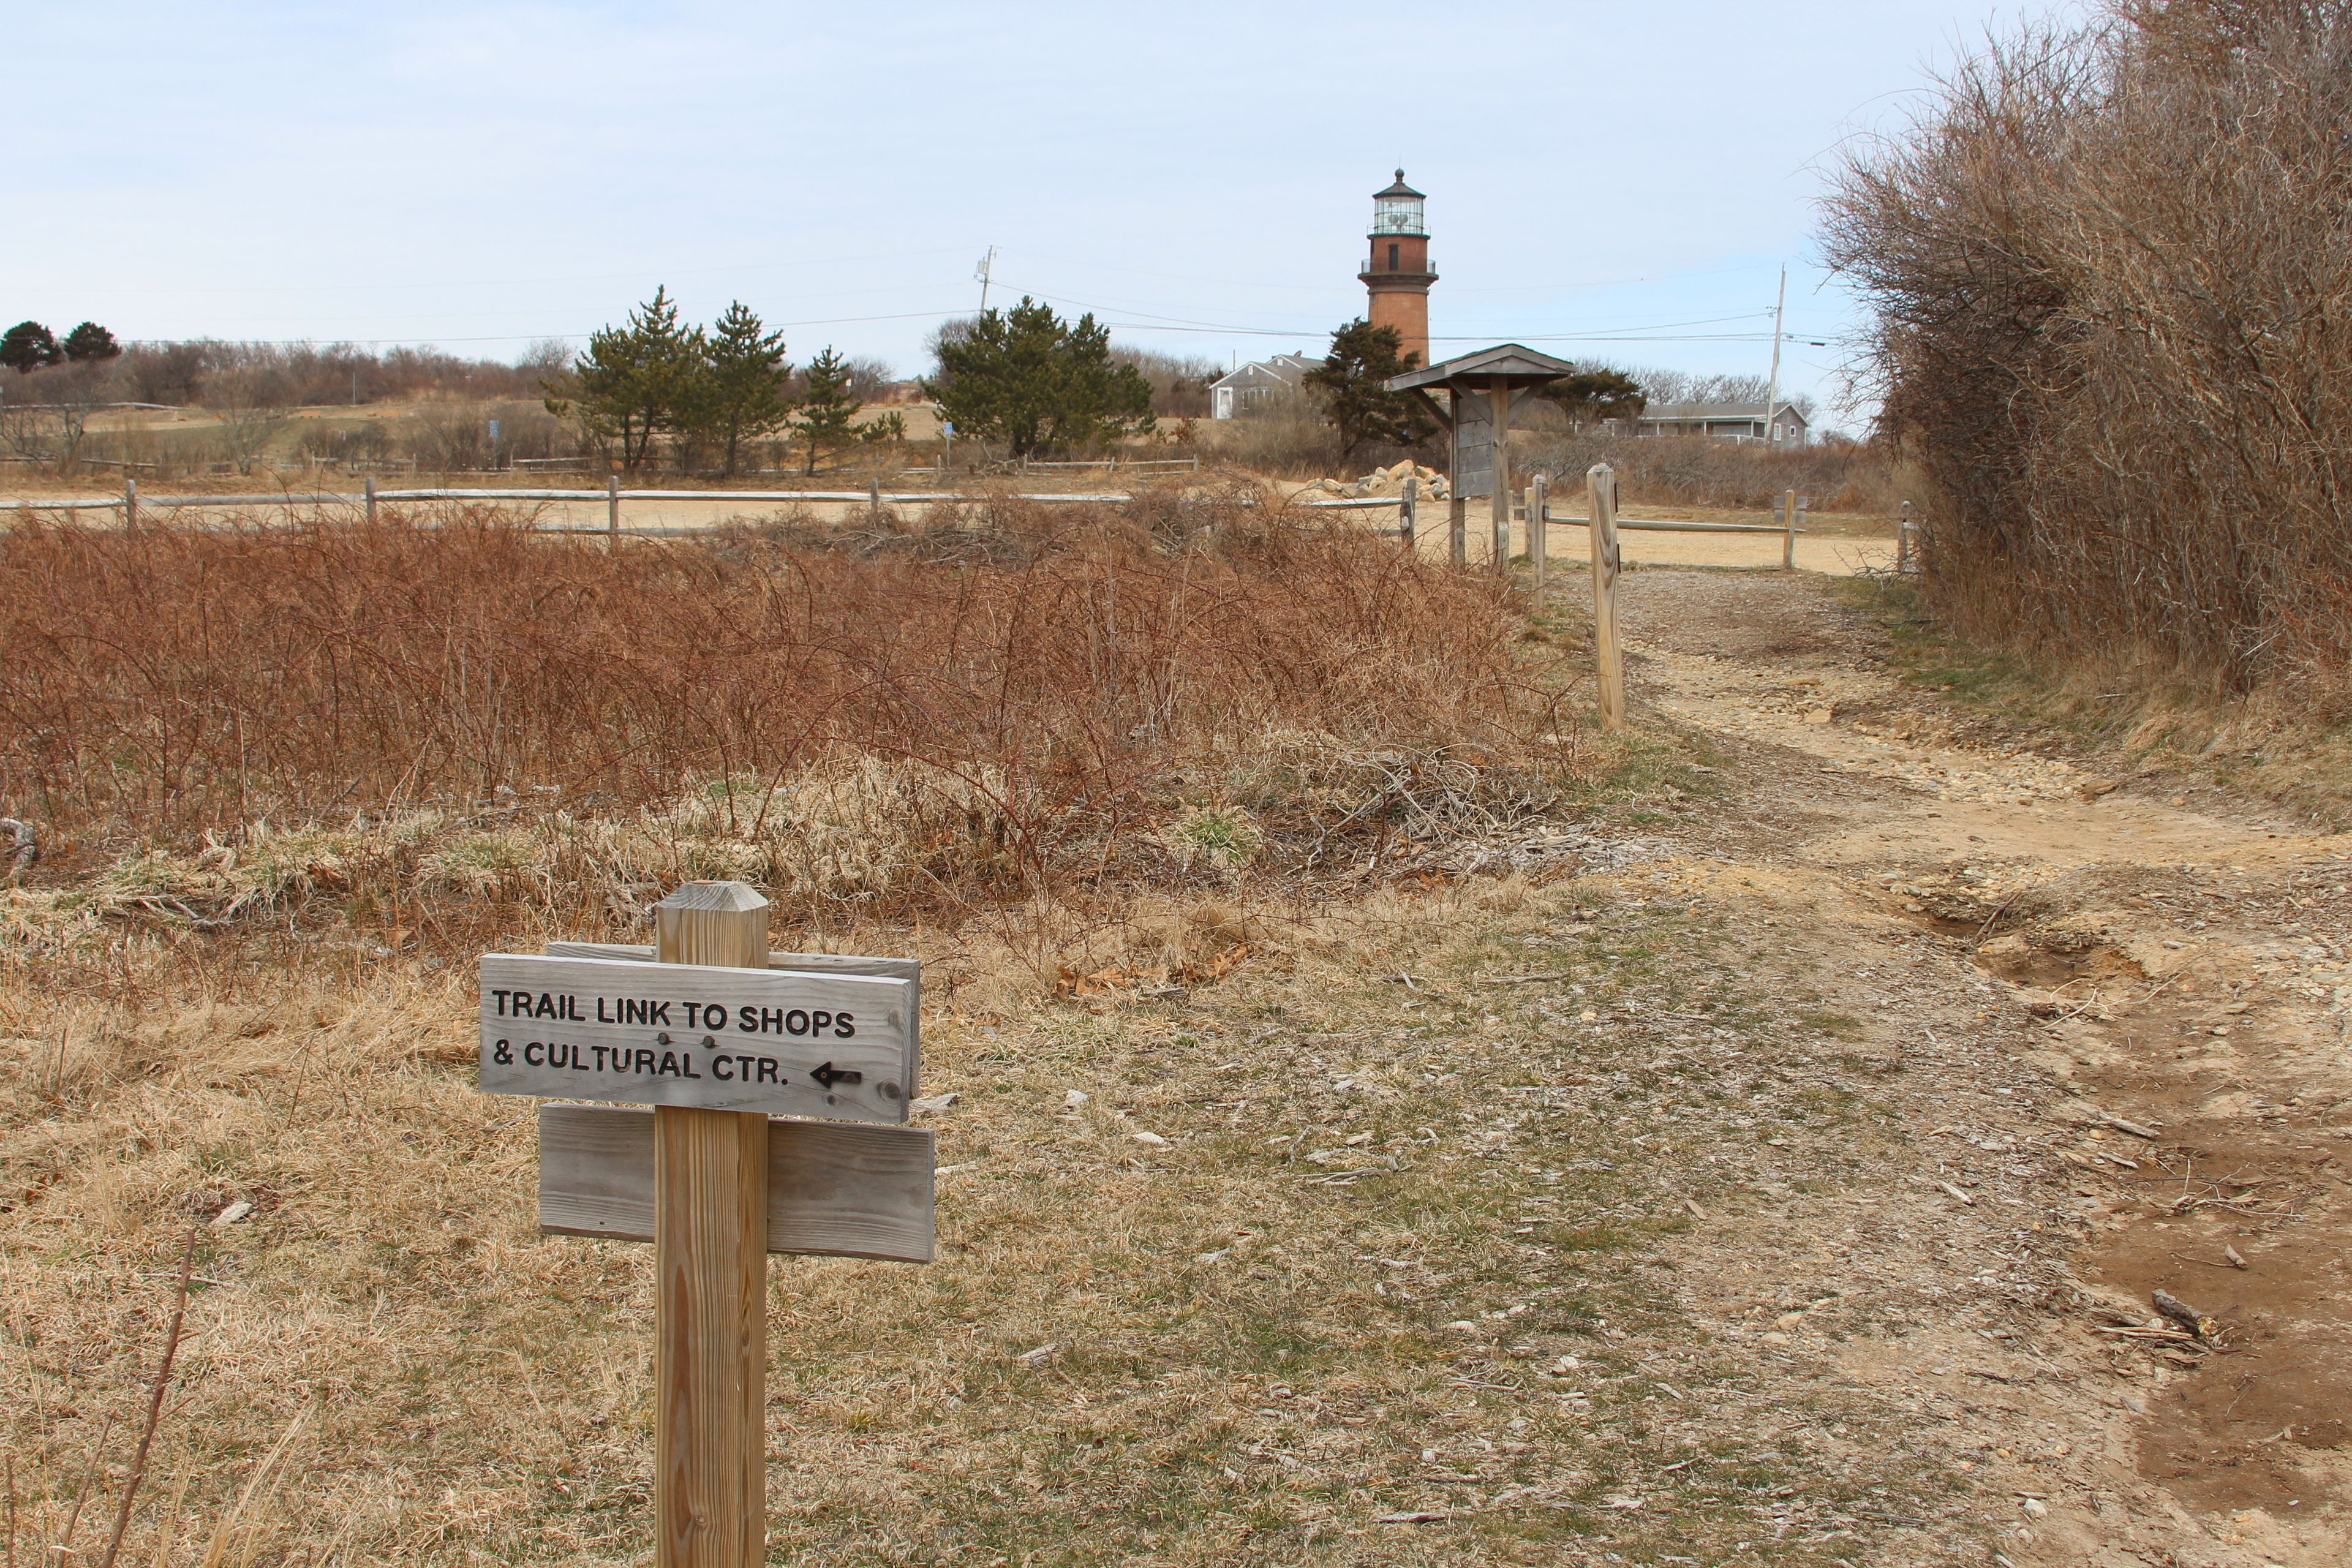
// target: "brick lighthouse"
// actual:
[[1397, 272]]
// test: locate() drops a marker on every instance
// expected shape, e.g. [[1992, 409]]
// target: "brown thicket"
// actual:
[[2112, 272], [1696, 471], [1057, 671]]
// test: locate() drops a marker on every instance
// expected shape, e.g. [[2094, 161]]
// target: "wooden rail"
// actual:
[[1668, 526], [131, 502], [360, 498]]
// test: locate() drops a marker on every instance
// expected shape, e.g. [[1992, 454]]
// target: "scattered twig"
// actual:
[[2181, 1312], [154, 1402], [2015, 893], [81, 1492]]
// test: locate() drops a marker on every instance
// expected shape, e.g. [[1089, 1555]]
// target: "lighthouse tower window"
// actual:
[[1393, 258]]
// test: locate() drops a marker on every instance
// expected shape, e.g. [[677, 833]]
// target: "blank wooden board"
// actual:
[[836, 1189]]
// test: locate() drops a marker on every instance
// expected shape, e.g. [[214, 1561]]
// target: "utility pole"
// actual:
[[987, 266], [1772, 392]]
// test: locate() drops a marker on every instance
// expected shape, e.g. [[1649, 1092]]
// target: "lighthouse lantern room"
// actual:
[[1396, 274]]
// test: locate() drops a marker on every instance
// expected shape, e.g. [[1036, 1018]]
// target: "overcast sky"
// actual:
[[1604, 180]]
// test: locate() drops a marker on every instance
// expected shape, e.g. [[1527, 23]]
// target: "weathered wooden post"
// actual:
[[710, 1270], [1903, 541], [613, 510], [1789, 537], [1404, 510], [370, 501], [873, 503], [1498, 400], [1538, 533], [1601, 486], [1457, 531], [130, 502]]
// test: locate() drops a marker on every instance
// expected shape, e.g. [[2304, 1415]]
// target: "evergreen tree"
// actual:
[[1591, 396], [826, 413], [740, 394], [1351, 383], [27, 346], [90, 342], [634, 381], [1037, 381]]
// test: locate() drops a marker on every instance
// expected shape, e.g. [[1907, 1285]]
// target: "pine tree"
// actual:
[[1590, 395], [1037, 381], [90, 342], [827, 412], [1351, 383], [27, 346], [634, 381], [740, 394]]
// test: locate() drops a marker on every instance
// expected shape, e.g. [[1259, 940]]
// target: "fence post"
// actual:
[[613, 510], [1608, 663], [1404, 512], [370, 501], [1903, 541], [130, 502], [710, 1270], [873, 503], [1457, 528], [1538, 532], [1789, 538]]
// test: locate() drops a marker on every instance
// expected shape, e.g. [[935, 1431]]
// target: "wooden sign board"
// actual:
[[781, 1041], [834, 1188], [1474, 446]]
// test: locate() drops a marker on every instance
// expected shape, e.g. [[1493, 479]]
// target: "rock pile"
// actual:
[[1389, 481]]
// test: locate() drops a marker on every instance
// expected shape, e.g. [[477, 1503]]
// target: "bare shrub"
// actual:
[[1283, 433], [2112, 270], [253, 403], [1179, 383], [1693, 470], [1019, 716]]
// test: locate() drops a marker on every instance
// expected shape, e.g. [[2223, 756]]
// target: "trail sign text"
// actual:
[[698, 1035]]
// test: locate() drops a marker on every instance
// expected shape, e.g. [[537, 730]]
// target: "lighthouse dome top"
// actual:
[[1397, 209]]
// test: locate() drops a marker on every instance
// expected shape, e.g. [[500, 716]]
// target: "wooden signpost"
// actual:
[[1608, 663], [714, 1034], [1538, 535]]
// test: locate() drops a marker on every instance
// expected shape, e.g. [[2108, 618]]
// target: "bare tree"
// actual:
[[251, 403]]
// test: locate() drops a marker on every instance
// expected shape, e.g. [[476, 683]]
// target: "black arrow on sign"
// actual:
[[829, 1074]]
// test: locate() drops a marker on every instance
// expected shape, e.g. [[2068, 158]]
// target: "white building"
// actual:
[[1240, 390], [1722, 421]]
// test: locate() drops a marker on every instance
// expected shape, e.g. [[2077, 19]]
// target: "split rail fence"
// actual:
[[1789, 510]]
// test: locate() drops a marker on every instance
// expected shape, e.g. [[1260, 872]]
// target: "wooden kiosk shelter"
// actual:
[[1483, 389]]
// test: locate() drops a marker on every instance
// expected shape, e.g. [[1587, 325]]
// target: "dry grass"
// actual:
[[1362, 1278]]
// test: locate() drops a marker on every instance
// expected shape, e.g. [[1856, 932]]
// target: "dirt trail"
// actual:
[[2119, 1016]]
